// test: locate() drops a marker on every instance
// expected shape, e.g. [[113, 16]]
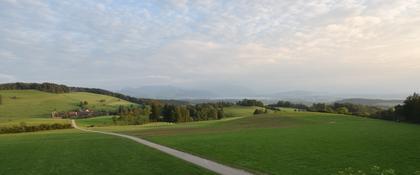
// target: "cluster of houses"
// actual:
[[85, 113]]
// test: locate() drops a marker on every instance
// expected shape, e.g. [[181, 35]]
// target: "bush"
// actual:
[[342, 110], [260, 111], [22, 127]]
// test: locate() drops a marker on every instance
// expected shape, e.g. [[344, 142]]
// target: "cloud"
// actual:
[[4, 78], [285, 44]]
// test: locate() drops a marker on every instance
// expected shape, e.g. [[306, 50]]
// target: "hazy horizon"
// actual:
[[351, 46]]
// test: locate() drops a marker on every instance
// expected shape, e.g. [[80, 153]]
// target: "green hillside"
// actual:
[[36, 104], [290, 142]]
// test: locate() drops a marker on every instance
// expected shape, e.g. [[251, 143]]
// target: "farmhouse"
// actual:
[[86, 113]]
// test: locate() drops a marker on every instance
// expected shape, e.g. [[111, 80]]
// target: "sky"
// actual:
[[351, 46]]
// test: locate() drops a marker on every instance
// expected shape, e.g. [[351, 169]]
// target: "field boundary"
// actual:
[[202, 162]]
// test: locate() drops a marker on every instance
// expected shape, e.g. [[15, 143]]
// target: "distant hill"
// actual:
[[371, 102], [166, 92], [58, 89]]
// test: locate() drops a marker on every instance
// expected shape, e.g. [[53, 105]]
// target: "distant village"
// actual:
[[83, 112]]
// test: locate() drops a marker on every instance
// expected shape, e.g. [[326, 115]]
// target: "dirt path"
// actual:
[[208, 164]]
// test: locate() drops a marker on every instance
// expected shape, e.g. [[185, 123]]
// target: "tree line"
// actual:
[[158, 112], [23, 127], [45, 87], [250, 102], [288, 104], [409, 111]]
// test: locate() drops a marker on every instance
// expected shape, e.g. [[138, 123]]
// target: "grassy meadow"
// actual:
[[239, 111], [74, 152], [36, 104], [293, 142]]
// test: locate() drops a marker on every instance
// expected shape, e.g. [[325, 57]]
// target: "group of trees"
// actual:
[[207, 111], [340, 108], [158, 112], [346, 108], [409, 111], [288, 104], [132, 115], [250, 102], [186, 113]]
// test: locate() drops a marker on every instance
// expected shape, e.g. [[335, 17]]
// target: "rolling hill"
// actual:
[[38, 104]]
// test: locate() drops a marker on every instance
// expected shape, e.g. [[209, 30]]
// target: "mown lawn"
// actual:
[[296, 142], [73, 152]]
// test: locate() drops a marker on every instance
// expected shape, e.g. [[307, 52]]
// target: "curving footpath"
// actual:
[[208, 164]]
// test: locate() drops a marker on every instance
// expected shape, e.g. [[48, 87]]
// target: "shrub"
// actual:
[[260, 111], [23, 127]]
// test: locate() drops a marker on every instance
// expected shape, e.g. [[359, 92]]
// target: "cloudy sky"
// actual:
[[264, 45]]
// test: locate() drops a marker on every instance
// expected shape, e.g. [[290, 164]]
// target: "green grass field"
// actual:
[[239, 111], [72, 152], [37, 104], [294, 142]]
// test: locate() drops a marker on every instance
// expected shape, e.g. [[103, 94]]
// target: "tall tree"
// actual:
[[410, 110], [155, 112]]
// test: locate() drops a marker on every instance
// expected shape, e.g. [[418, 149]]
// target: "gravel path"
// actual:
[[208, 164]]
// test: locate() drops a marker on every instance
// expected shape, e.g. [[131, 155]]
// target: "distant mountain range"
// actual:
[[167, 92], [372, 102], [233, 92]]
